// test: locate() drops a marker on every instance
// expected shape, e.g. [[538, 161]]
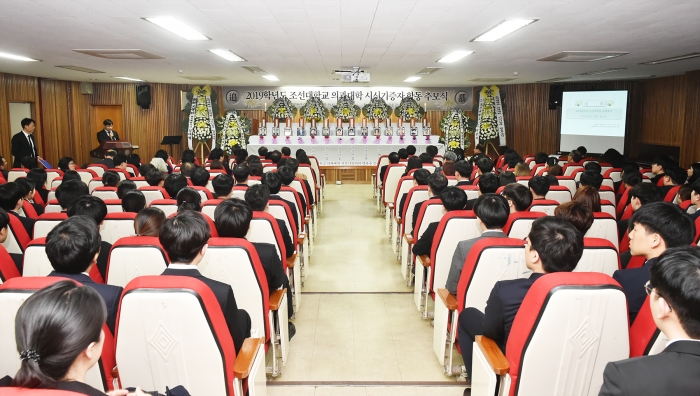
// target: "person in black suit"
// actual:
[[675, 176], [640, 194], [674, 297], [258, 197], [539, 187], [553, 245], [39, 177], [659, 165], [294, 164], [518, 196], [184, 238], [436, 183], [653, 228], [487, 184], [28, 189], [223, 185], [286, 175], [453, 198], [108, 160], [94, 208], [241, 173], [24, 144], [107, 133], [273, 182], [218, 154], [393, 159], [11, 195], [233, 218], [420, 178], [73, 247], [17, 258], [463, 172]]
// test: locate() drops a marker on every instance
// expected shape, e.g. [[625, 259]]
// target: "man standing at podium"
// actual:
[[107, 133]]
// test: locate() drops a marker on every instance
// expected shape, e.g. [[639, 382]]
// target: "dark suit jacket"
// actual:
[[103, 258], [465, 183], [502, 305], [78, 387], [695, 215], [288, 243], [310, 191], [21, 148], [26, 222], [416, 211], [675, 371], [102, 136], [109, 162], [460, 256], [632, 281], [656, 178], [425, 243], [382, 172], [224, 295], [272, 265], [292, 207], [43, 193], [470, 204], [109, 293], [402, 203]]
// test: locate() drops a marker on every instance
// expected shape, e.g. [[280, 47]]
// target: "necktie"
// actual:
[[31, 144]]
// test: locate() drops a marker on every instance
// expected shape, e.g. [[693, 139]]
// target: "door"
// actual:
[[99, 113], [18, 112]]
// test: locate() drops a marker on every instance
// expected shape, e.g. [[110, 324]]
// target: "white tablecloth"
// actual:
[[343, 151]]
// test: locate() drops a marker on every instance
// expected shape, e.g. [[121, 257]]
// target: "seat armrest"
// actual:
[[390, 206], [408, 239], [276, 298], [448, 299], [245, 358], [493, 354], [398, 220], [291, 260], [300, 238], [425, 260], [306, 220]]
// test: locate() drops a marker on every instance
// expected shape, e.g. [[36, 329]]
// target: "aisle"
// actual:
[[358, 330]]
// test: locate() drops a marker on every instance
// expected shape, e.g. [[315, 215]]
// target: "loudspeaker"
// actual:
[[556, 92], [143, 95], [86, 88]]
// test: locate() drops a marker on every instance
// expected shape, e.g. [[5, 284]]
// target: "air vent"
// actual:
[[595, 73], [80, 69], [134, 54], [552, 80], [254, 69], [673, 59], [495, 79], [429, 70], [203, 78], [582, 56]]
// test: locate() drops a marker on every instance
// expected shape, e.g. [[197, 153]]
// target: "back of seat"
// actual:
[[117, 225], [519, 224], [135, 256], [599, 255], [455, 226], [605, 227]]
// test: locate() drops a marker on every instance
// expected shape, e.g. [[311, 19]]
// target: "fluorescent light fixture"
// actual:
[[176, 27], [673, 59], [128, 78], [595, 73], [17, 57], [227, 54], [504, 28], [271, 77], [412, 79], [454, 56]]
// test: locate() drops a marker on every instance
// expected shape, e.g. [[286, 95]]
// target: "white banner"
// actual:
[[490, 119]]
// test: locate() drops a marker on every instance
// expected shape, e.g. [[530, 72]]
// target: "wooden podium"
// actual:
[[119, 146]]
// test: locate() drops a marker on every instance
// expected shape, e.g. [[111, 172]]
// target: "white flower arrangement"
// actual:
[[488, 127], [376, 109], [345, 108], [199, 123], [282, 108], [455, 125], [233, 129], [409, 109], [314, 109]]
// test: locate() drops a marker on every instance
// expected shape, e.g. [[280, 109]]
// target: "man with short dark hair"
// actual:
[[463, 173], [200, 177], [652, 229], [403, 154], [593, 166], [11, 199], [479, 149], [273, 182], [491, 212], [393, 159], [108, 160], [275, 157], [674, 298], [286, 152], [29, 163], [223, 185], [154, 177], [541, 158], [640, 194], [453, 198], [241, 173], [583, 150], [591, 178], [184, 238], [575, 157], [23, 143], [487, 184], [262, 151], [174, 183], [287, 176], [425, 158], [539, 187], [411, 150], [436, 183], [518, 196], [553, 245], [73, 248], [232, 219], [107, 133], [120, 163], [420, 178], [674, 176], [258, 197], [94, 208], [485, 165], [659, 165]]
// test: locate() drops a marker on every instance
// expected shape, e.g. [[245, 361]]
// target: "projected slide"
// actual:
[[594, 119]]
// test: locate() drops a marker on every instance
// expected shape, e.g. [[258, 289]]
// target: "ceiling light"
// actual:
[[595, 73], [673, 59], [412, 79], [271, 77], [227, 54], [504, 28], [454, 56], [128, 78], [174, 26], [16, 57]]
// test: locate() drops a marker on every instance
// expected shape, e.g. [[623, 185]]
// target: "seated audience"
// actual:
[[659, 165], [522, 169], [411, 164], [160, 164], [674, 176], [641, 194], [174, 183], [448, 167], [479, 149], [593, 166], [582, 150], [187, 169], [576, 213], [120, 163], [403, 154], [233, 218], [553, 245], [436, 183], [163, 155], [154, 177], [184, 238], [241, 173], [294, 164], [148, 222], [652, 229], [108, 160], [505, 178], [410, 150], [518, 196], [553, 181], [95, 209], [693, 172], [258, 197], [453, 198], [109, 178], [275, 156], [188, 199], [393, 159], [555, 170], [66, 164], [29, 163], [485, 166], [286, 176], [73, 247], [241, 156], [134, 159], [539, 187], [71, 175], [17, 258], [575, 157], [256, 169], [684, 193], [3, 171], [223, 185], [218, 154], [425, 158], [591, 178], [541, 158], [39, 178], [200, 177], [188, 156], [487, 184], [420, 178], [133, 201], [491, 212], [28, 189], [273, 182], [11, 199], [674, 298], [69, 191], [589, 197], [125, 186], [463, 173], [286, 152]]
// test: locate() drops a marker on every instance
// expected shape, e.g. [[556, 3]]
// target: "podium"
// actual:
[[119, 146]]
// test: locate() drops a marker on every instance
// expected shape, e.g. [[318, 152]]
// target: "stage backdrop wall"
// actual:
[[662, 111]]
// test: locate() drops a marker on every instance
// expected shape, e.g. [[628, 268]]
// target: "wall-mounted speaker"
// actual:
[[86, 88], [143, 95], [556, 92]]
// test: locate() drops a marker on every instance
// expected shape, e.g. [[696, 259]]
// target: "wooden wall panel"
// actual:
[[690, 150], [16, 88], [56, 128], [348, 174], [664, 110], [530, 125]]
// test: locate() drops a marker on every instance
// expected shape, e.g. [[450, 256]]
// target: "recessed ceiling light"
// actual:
[[504, 28], [227, 54], [412, 79], [174, 26], [595, 73], [128, 78], [271, 77], [454, 56], [673, 59], [17, 57]]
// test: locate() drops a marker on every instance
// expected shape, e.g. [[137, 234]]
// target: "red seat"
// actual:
[[519, 223], [37, 197], [645, 337], [18, 239], [546, 206], [8, 269], [204, 193], [671, 194], [46, 222], [29, 210], [212, 227], [599, 255], [168, 206], [105, 192], [122, 268], [209, 206], [153, 193]]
